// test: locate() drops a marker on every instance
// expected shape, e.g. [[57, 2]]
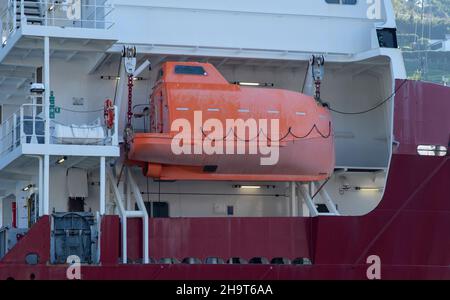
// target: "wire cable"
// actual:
[[82, 111], [261, 132], [373, 108]]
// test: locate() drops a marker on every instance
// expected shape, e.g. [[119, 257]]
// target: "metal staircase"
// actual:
[[32, 10], [307, 190]]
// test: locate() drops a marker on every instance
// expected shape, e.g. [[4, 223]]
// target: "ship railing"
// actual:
[[141, 120], [27, 126], [8, 21], [10, 134], [31, 124], [88, 127], [67, 14]]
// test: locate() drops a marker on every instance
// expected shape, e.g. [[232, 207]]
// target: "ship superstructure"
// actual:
[[77, 85]]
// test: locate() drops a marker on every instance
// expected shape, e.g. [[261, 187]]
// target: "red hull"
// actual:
[[409, 230]]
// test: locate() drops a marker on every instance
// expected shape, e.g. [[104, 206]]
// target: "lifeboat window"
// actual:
[[432, 150], [190, 70]]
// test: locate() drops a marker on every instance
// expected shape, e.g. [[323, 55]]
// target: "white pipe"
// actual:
[[124, 240], [47, 88], [14, 139], [146, 239], [46, 15], [127, 187], [311, 207], [293, 198], [34, 139], [116, 192], [289, 202], [40, 184], [143, 209], [122, 213], [23, 138], [108, 201], [102, 185], [115, 138], [300, 202], [46, 198], [134, 214]]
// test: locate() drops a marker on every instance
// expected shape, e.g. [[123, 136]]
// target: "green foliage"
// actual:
[[434, 25], [440, 9], [439, 28], [420, 63]]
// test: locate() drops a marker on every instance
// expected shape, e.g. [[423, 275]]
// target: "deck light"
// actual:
[[255, 84], [368, 189], [28, 187], [248, 187], [249, 83], [251, 187]]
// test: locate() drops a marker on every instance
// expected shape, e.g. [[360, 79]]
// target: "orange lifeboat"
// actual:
[[204, 128]]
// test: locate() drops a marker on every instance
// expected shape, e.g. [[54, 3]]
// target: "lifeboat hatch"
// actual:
[[210, 169]]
